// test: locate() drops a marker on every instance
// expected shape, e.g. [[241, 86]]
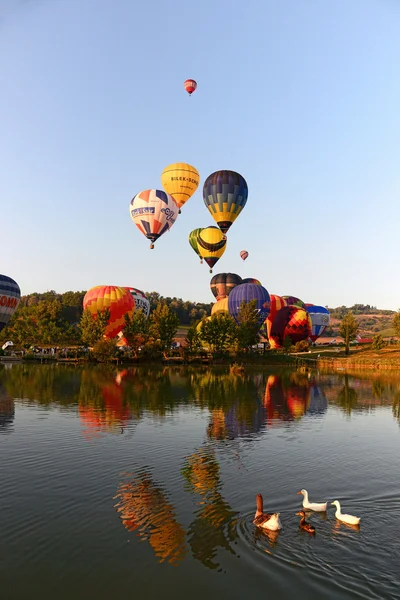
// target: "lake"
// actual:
[[141, 482]]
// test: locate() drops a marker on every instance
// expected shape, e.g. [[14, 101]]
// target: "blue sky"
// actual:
[[300, 97]]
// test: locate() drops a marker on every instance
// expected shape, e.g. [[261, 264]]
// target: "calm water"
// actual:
[[141, 483]]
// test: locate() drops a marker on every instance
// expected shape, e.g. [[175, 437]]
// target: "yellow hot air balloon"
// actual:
[[211, 243], [180, 181], [220, 306]]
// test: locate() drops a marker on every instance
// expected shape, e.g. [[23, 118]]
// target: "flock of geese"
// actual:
[[272, 522]]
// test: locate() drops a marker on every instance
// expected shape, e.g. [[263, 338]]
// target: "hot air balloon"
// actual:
[[225, 195], [320, 318], [153, 212], [141, 301], [211, 243], [220, 306], [193, 235], [277, 302], [223, 283], [245, 293], [119, 302], [244, 254], [290, 321], [10, 295], [251, 280], [294, 301], [180, 181], [190, 85]]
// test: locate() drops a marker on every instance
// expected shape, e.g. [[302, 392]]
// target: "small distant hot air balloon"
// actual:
[[211, 243], [153, 212], [244, 254], [141, 300], [320, 318], [180, 181], [190, 85], [10, 295], [225, 195], [245, 293], [223, 283], [251, 280], [290, 321], [193, 235], [119, 302]]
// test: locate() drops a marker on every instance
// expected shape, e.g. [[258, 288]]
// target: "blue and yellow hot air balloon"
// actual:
[[211, 243], [225, 195]]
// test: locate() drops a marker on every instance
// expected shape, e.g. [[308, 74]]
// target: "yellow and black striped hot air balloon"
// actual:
[[180, 181], [211, 243]]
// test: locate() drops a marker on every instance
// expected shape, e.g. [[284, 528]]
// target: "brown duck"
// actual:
[[304, 524]]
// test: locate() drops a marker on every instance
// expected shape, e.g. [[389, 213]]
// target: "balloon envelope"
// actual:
[[10, 295], [119, 302], [225, 195], [294, 301], [220, 306], [190, 85], [290, 321], [244, 254], [153, 212], [211, 243], [223, 283], [320, 318], [141, 300], [193, 235], [277, 302], [246, 292], [180, 181], [251, 280]]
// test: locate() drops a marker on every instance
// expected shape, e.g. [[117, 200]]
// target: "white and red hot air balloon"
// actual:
[[190, 85]]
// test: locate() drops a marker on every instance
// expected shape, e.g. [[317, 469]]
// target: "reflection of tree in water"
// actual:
[[7, 409], [214, 525], [145, 509], [347, 397], [286, 397]]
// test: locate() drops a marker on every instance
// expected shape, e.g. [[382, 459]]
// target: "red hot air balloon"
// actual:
[[244, 254], [190, 85]]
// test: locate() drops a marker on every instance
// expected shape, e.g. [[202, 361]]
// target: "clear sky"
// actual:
[[301, 97]]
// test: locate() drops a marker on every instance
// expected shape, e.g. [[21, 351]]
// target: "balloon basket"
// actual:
[[210, 270], [179, 212], [151, 246]]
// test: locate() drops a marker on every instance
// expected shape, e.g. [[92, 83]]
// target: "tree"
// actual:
[[93, 328], [193, 341], [378, 342], [136, 330], [164, 325], [104, 350], [219, 332], [396, 323], [348, 330], [249, 325], [287, 344]]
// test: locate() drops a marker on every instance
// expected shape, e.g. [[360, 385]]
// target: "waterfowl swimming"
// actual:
[[349, 519], [303, 523], [269, 521], [316, 506]]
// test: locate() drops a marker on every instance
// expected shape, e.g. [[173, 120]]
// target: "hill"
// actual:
[[371, 320]]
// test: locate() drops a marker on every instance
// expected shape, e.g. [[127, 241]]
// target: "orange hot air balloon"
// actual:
[[277, 302], [119, 302], [190, 85]]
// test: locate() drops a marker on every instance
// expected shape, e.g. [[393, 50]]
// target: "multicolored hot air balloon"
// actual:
[[119, 302], [246, 292], [225, 195], [290, 321], [180, 181], [277, 302], [141, 300], [211, 243], [223, 283], [251, 280], [320, 319], [153, 212], [190, 85], [244, 254], [10, 295], [193, 235], [220, 306], [294, 301]]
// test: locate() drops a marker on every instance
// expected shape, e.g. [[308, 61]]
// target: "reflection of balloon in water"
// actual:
[[320, 318], [251, 280], [277, 302], [223, 283], [211, 243], [318, 401], [10, 295], [193, 235], [7, 409], [293, 322], [119, 302], [221, 306], [286, 400], [244, 254], [141, 300], [245, 293], [225, 195], [190, 85], [294, 301], [153, 212], [180, 181]]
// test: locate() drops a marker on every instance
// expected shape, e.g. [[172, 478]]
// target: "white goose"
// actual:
[[316, 506], [349, 519]]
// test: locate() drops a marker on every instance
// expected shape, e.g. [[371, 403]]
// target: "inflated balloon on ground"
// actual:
[[246, 292], [10, 295], [220, 306], [118, 300], [294, 301], [141, 300], [320, 319], [290, 321], [251, 280], [223, 283]]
